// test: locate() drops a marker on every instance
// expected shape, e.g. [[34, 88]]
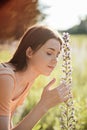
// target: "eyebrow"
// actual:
[[53, 50]]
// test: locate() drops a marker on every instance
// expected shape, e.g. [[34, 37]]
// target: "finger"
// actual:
[[66, 93], [50, 83], [65, 88], [62, 86], [67, 98]]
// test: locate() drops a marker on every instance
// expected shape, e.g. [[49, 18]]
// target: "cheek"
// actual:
[[37, 60], [41, 60]]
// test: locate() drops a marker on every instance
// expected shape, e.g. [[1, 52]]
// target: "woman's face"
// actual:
[[44, 60]]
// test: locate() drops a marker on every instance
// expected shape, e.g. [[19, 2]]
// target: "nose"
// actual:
[[54, 60]]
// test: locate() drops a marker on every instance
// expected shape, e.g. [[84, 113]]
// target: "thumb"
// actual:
[[50, 83]]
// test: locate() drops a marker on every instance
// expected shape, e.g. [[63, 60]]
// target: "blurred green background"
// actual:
[[15, 18]]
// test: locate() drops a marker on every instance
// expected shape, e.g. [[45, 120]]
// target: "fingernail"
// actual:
[[54, 79]]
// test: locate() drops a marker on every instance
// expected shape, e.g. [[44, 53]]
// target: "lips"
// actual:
[[51, 67]]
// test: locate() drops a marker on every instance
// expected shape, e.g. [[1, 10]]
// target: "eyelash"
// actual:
[[51, 54]]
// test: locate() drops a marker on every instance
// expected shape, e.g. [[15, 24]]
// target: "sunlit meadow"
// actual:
[[79, 85]]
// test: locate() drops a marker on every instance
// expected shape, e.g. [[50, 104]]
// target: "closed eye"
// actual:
[[53, 52], [49, 53]]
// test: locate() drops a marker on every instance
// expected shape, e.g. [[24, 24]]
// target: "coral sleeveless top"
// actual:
[[9, 104]]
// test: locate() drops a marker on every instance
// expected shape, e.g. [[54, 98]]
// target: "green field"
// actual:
[[79, 87]]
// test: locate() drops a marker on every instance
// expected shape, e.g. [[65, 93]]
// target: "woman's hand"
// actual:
[[52, 97]]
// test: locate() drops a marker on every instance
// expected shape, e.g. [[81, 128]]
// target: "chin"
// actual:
[[47, 74]]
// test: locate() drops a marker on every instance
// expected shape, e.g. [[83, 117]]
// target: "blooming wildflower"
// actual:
[[67, 120]]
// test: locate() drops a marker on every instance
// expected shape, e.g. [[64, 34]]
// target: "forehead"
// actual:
[[52, 43]]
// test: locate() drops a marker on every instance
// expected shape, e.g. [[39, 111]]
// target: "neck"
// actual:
[[27, 76]]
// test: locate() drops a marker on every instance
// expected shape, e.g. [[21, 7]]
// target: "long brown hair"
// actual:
[[34, 37]]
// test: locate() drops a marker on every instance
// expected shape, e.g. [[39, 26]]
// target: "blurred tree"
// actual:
[[16, 16], [81, 28]]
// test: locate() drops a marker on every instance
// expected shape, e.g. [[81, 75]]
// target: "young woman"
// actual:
[[36, 55]]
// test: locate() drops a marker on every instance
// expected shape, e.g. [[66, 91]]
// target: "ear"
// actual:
[[29, 52]]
